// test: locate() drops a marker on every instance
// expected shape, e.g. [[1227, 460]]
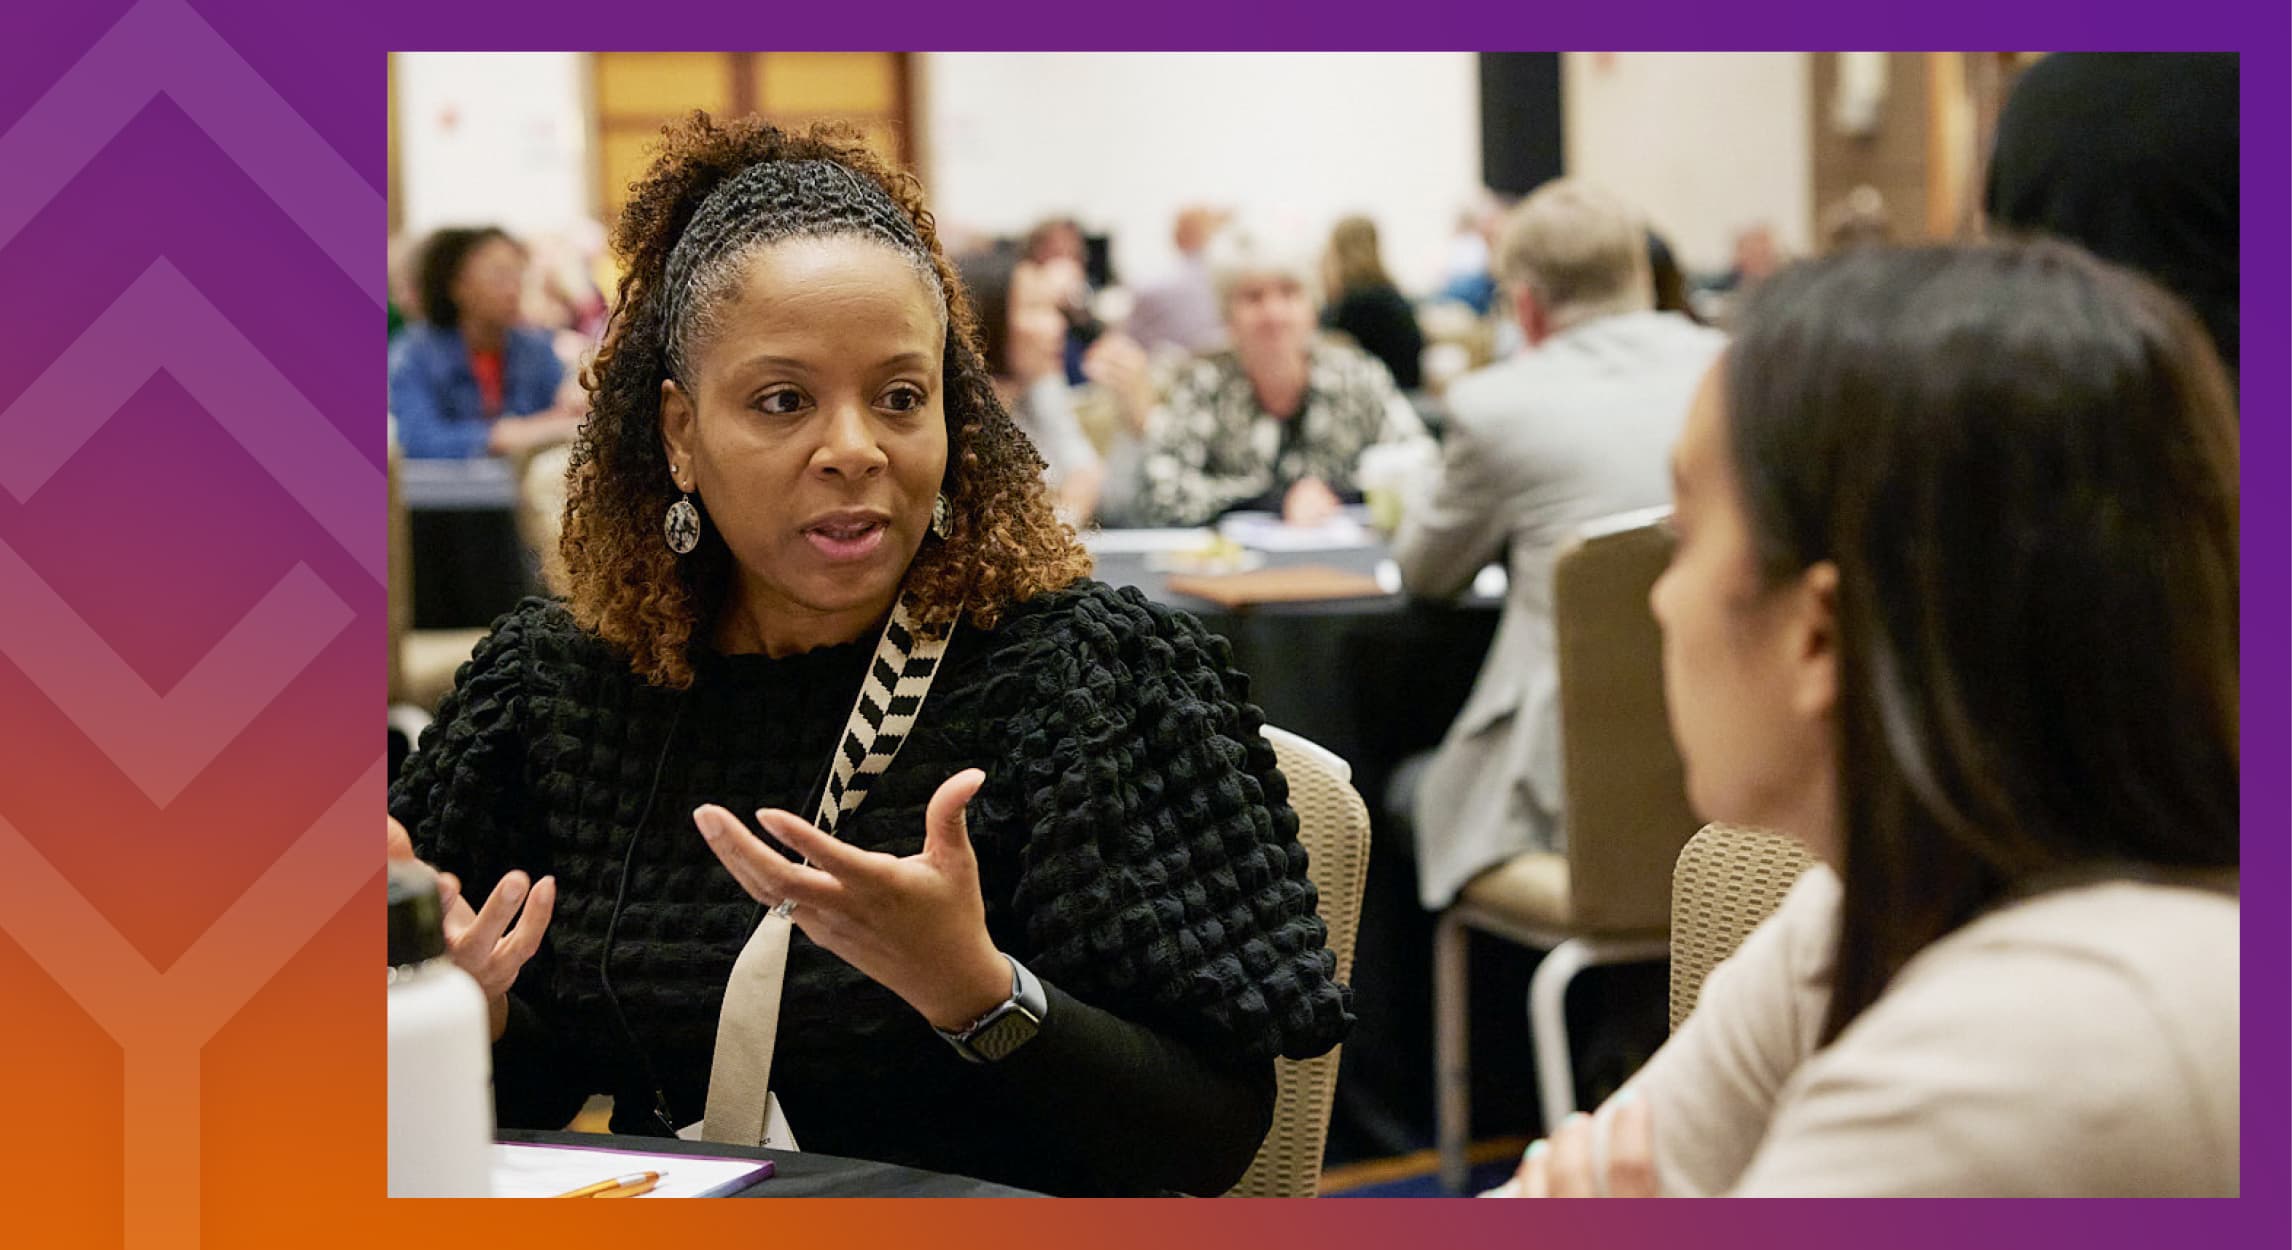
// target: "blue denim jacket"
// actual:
[[434, 395]]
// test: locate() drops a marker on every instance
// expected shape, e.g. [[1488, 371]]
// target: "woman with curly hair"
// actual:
[[1077, 885]]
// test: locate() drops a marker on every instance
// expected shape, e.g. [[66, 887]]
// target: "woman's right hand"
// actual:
[[484, 943]]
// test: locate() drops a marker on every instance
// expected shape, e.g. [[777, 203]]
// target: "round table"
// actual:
[[1373, 679], [796, 1174]]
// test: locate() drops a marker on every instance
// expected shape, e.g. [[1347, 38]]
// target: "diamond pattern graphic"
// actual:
[[162, 322], [163, 46], [162, 741]]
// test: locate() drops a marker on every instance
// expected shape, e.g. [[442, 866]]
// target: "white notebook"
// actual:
[[524, 1170]]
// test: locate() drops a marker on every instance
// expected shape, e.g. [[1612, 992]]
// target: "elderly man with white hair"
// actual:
[[1278, 420], [1577, 427]]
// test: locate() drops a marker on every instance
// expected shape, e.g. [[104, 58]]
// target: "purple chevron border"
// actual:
[[282, 91]]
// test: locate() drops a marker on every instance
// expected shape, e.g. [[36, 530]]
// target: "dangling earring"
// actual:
[[683, 525], [940, 522]]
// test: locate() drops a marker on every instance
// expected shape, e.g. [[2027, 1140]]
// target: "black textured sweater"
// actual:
[[1136, 852]]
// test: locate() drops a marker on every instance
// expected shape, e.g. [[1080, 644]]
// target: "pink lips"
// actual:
[[842, 538]]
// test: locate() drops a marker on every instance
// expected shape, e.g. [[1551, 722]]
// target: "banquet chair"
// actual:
[[422, 661], [1605, 899], [1729, 879], [541, 486], [1333, 825]]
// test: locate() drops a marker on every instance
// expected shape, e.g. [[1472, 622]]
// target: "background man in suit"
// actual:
[[1577, 427]]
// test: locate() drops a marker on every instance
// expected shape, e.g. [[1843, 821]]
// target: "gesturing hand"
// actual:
[[482, 943], [915, 925]]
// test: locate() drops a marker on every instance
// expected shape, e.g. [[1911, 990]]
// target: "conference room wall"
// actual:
[[1707, 142], [1121, 140], [492, 137], [1118, 139]]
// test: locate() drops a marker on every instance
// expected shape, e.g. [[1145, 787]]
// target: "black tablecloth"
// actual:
[[798, 1174], [470, 566], [1374, 679]]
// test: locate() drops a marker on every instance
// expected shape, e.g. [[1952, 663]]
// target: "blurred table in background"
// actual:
[[1373, 679], [469, 564]]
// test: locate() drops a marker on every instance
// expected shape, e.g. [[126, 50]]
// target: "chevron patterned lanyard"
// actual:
[[889, 698], [740, 1106]]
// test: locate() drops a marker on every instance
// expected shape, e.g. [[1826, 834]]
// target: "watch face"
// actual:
[[1003, 1035]]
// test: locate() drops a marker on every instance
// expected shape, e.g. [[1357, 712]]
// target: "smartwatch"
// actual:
[[1007, 1026]]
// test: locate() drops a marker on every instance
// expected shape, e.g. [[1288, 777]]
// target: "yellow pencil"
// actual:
[[611, 1187]]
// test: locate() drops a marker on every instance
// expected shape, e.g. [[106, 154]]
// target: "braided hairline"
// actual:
[[766, 204], [1005, 545]]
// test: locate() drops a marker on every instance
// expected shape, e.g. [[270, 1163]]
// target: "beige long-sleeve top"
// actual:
[[2079, 1043]]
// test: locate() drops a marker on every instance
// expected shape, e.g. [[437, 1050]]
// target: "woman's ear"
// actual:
[[1814, 641], [677, 433]]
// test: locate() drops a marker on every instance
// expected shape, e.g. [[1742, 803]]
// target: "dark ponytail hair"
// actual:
[[2023, 463]]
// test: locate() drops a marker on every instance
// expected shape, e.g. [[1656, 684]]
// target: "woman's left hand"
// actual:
[[916, 924], [1567, 1165]]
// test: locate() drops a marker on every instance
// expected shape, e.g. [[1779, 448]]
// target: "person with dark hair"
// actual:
[[2132, 156], [1022, 335], [812, 562], [1667, 280], [1955, 605], [1061, 254], [1365, 306], [467, 379]]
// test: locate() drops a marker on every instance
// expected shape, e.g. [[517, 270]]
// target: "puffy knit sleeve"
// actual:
[[460, 796], [1161, 877], [458, 792]]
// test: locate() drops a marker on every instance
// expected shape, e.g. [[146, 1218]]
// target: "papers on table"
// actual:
[[525, 1170], [1134, 542], [1264, 531]]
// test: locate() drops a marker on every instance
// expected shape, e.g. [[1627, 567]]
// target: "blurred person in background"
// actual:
[[1278, 421], [1469, 275], [1858, 218], [1757, 257], [1667, 279], [1954, 604], [1573, 429], [561, 288], [1366, 306], [1062, 257], [1179, 311], [2133, 157], [1023, 336], [468, 379]]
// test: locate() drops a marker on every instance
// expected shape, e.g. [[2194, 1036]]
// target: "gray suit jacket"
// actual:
[[1578, 428]]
